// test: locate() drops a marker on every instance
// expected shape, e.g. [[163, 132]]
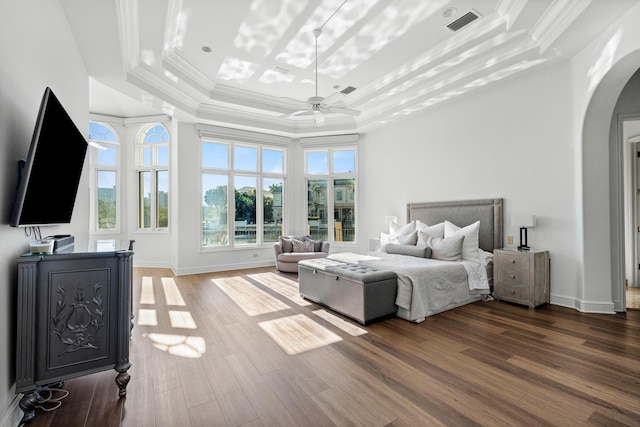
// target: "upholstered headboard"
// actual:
[[463, 213]]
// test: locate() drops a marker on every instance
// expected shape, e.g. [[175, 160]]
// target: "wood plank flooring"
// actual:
[[243, 349]]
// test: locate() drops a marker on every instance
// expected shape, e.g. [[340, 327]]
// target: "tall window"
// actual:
[[242, 187], [152, 164], [330, 175], [104, 155]]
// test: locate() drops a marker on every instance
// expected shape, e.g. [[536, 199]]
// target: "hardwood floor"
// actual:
[[243, 349]]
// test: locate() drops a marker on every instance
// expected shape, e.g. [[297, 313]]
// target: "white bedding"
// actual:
[[428, 286]]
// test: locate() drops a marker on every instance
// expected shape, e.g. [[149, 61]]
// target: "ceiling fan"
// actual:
[[317, 106]]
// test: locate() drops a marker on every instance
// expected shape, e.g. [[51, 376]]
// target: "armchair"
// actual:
[[287, 256]]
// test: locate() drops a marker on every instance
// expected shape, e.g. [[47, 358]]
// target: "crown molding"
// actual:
[[473, 57], [555, 21]]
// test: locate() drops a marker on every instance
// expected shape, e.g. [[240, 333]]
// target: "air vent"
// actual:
[[463, 21], [347, 90]]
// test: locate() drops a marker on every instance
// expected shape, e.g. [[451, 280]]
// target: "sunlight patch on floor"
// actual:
[[147, 317], [252, 300], [176, 344], [285, 287], [182, 320], [179, 345], [340, 323], [171, 292], [297, 334], [146, 295]]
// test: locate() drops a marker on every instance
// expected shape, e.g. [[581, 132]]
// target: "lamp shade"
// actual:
[[523, 220], [390, 219]]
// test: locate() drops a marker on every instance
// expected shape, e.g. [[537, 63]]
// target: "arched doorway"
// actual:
[[603, 205]]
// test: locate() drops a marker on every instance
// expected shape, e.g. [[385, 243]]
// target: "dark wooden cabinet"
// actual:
[[73, 319]]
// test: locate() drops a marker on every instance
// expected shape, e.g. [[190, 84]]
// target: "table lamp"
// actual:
[[524, 221]]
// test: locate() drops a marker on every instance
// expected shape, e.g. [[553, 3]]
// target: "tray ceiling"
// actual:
[[240, 63]]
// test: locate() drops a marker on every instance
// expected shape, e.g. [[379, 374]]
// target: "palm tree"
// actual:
[[316, 189]]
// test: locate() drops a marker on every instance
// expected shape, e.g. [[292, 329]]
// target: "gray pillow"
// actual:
[[287, 244], [317, 244], [411, 250], [449, 249]]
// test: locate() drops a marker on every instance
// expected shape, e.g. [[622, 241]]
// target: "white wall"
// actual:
[[37, 50], [509, 141], [541, 142]]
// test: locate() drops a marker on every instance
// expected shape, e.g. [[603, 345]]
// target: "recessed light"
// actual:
[[206, 49], [336, 86], [448, 13]]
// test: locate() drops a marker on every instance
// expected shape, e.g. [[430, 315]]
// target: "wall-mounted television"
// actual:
[[50, 175]]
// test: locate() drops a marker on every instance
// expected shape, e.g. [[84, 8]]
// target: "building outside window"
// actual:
[[152, 169], [105, 178], [330, 176], [242, 193]]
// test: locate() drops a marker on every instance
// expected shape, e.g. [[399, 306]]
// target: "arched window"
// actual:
[[105, 178], [152, 168]]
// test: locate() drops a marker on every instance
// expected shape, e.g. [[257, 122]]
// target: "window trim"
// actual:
[[153, 170], [94, 169], [231, 174], [331, 177]]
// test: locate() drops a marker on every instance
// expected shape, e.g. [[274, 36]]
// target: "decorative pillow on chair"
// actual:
[[317, 244], [470, 233], [302, 245], [287, 244]]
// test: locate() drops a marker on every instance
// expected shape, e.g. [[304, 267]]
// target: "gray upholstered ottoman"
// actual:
[[362, 293]]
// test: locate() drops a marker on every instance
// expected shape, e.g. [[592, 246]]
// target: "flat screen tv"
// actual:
[[50, 175]]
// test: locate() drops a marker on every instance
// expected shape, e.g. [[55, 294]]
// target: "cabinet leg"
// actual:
[[28, 406], [122, 379]]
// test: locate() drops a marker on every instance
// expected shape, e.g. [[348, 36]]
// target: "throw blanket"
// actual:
[[426, 286]]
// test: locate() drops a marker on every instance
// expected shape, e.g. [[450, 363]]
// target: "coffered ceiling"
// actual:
[[244, 63]]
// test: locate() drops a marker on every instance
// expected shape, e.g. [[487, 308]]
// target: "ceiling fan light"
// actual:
[[319, 117]]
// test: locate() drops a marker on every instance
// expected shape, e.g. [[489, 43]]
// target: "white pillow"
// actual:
[[447, 249], [434, 230], [397, 229], [470, 245], [405, 239]]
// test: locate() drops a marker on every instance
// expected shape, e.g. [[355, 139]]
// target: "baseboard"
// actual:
[[222, 267], [150, 264], [13, 414], [598, 307]]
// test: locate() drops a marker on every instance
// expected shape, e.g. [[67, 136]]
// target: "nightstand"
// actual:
[[521, 277]]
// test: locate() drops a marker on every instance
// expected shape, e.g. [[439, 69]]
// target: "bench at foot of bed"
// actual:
[[362, 293]]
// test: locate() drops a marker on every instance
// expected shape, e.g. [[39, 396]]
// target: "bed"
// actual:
[[429, 286]]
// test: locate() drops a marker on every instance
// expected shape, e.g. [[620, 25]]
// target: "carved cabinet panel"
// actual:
[[73, 318]]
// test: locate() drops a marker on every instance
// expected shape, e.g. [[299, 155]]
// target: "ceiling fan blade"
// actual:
[[340, 110], [296, 113], [298, 103], [305, 112], [334, 98]]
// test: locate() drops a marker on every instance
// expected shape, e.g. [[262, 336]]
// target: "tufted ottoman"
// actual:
[[363, 293]]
